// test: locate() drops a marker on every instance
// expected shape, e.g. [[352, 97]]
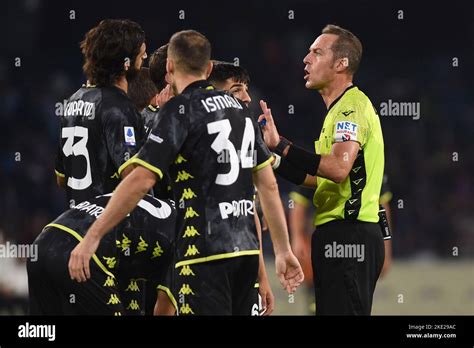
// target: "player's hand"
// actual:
[[165, 95], [265, 291], [79, 261], [289, 271], [270, 132]]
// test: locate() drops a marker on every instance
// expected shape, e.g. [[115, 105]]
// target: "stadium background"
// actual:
[[405, 60]]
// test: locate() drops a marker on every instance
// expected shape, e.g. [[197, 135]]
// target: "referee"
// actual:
[[346, 172]]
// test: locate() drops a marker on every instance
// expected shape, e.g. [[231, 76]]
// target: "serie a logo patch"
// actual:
[[129, 133]]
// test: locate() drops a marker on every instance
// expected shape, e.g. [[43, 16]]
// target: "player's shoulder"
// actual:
[[113, 96], [115, 103]]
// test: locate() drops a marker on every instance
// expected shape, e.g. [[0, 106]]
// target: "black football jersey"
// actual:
[[150, 115], [141, 246], [100, 130], [210, 145]]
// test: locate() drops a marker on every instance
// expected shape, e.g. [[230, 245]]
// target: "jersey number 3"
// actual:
[[77, 149], [222, 142]]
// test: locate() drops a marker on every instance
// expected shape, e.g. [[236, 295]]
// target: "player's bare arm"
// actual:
[[288, 268], [265, 290]]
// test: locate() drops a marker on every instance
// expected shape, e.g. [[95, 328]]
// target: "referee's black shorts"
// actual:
[[53, 292], [347, 258]]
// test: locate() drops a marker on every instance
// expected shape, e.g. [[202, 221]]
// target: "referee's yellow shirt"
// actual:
[[351, 117]]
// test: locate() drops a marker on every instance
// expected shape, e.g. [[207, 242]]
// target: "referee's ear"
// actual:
[[343, 64], [210, 65]]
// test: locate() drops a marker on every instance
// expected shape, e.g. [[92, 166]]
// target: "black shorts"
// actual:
[[51, 290], [347, 258], [221, 287], [255, 303]]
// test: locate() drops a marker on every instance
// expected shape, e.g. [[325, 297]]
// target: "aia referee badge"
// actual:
[[345, 131], [129, 136]]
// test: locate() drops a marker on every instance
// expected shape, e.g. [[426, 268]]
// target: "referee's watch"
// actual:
[[282, 145]]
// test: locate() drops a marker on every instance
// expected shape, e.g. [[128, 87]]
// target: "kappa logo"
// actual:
[[133, 305], [356, 169], [351, 201], [157, 251], [192, 251], [357, 182], [109, 282], [113, 299], [190, 213], [190, 232], [186, 290], [186, 271]]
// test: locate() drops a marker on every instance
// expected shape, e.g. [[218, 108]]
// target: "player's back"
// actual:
[[213, 146], [100, 130]]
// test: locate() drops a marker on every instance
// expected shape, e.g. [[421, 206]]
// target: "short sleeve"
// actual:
[[263, 155], [124, 134], [165, 140], [350, 124]]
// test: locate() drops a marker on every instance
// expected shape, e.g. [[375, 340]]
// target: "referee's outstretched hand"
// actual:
[[270, 132], [79, 261], [289, 271]]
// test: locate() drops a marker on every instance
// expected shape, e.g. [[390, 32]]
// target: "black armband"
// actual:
[[291, 173], [304, 160]]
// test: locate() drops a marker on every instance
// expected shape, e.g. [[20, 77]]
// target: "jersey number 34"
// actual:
[[222, 142]]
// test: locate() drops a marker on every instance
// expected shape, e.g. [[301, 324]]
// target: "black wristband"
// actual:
[[281, 146], [304, 160], [290, 172]]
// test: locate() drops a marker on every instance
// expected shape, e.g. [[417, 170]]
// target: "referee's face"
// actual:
[[319, 63]]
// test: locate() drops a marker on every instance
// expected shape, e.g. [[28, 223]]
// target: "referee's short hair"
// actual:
[[222, 71], [191, 52], [347, 46]]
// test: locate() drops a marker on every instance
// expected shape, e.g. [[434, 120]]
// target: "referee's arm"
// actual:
[[300, 166], [335, 166]]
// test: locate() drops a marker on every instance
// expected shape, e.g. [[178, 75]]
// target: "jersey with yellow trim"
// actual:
[[210, 145], [100, 130], [150, 115], [351, 117], [141, 246]]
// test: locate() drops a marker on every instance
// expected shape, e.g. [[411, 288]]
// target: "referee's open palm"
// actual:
[[270, 132]]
